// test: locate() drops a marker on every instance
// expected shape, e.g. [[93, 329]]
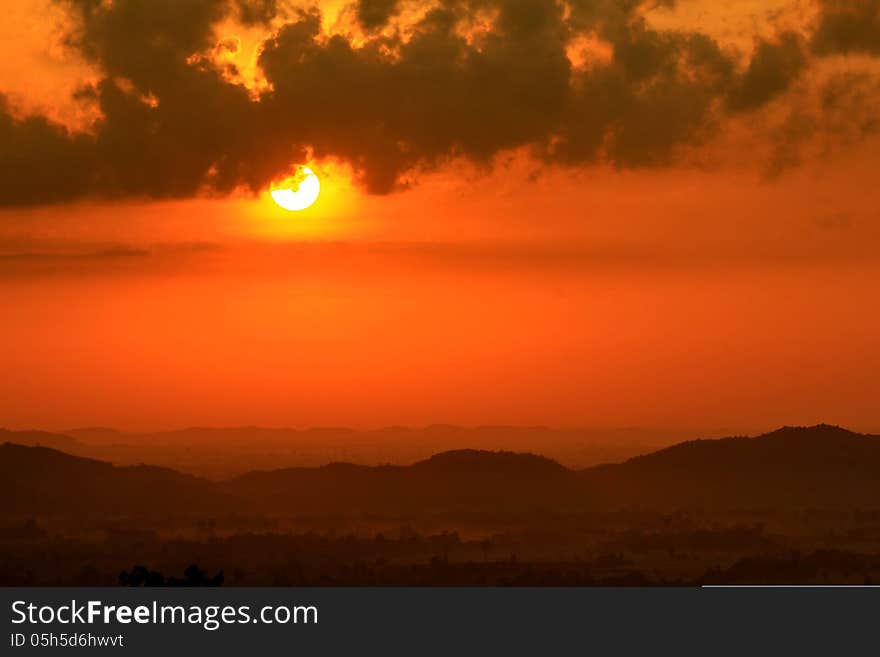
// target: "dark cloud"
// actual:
[[845, 112], [436, 96], [256, 12], [173, 124], [774, 65], [41, 162], [169, 128], [846, 26], [787, 141], [658, 92], [375, 14]]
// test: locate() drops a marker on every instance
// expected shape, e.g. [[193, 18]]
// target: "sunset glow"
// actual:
[[523, 294], [529, 213]]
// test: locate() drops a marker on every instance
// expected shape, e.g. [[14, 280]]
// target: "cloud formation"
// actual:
[[464, 78], [848, 26]]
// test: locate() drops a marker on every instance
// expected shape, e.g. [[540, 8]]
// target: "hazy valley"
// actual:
[[699, 510]]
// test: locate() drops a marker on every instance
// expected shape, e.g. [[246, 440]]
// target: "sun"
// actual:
[[297, 192]]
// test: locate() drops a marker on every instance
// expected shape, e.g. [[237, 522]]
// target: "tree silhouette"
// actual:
[[192, 576]]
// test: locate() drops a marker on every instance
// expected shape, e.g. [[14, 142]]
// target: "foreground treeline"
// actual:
[[566, 551]]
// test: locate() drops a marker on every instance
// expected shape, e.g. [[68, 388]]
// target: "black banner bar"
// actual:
[[418, 621]]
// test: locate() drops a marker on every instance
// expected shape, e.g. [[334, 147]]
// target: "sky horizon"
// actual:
[[650, 438]]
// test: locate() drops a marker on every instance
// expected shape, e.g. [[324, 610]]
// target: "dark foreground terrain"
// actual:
[[799, 505]]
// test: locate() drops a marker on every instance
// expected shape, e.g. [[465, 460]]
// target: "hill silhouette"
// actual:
[[822, 466], [793, 467], [461, 480], [486, 462], [45, 480], [222, 453], [57, 441]]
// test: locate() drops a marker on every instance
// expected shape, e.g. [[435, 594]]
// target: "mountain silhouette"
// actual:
[[794, 467], [45, 480], [489, 463], [58, 441], [823, 466], [460, 480], [222, 453]]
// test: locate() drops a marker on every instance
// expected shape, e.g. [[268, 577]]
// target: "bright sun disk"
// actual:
[[293, 195]]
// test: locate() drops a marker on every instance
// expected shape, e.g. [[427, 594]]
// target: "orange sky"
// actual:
[[731, 282]]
